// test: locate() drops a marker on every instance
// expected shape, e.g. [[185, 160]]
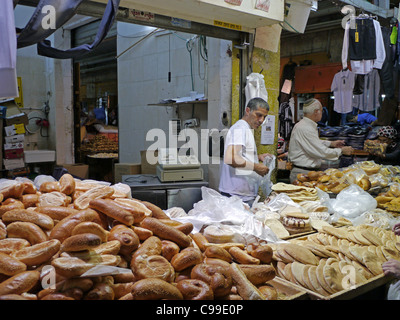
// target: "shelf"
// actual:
[[172, 104]]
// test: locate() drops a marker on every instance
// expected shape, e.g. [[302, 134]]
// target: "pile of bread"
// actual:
[[67, 228], [366, 174], [100, 143], [390, 200], [336, 259]]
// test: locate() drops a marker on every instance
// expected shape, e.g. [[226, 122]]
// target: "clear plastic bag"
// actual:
[[266, 183], [215, 209], [351, 202]]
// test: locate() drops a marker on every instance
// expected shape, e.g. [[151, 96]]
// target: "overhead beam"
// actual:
[[96, 9], [383, 11]]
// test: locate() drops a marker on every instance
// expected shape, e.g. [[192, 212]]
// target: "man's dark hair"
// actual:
[[256, 103]]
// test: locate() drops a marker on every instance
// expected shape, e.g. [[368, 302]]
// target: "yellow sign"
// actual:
[[19, 128], [227, 25], [20, 100]]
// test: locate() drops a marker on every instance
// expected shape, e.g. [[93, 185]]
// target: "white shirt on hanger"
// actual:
[[8, 51], [364, 66]]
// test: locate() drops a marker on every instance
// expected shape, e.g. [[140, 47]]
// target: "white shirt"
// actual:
[[8, 51], [306, 149], [365, 66], [342, 88], [236, 181]]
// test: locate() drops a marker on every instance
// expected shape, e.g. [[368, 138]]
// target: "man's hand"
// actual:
[[261, 157], [261, 169], [347, 151], [391, 268], [337, 144]]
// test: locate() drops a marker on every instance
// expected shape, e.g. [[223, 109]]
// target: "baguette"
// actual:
[[156, 212], [20, 283], [13, 191], [166, 232], [99, 192], [200, 240], [57, 212], [187, 258], [30, 200], [38, 253], [244, 287], [9, 245], [218, 253], [242, 256], [155, 289], [142, 233], [258, 274], [112, 210], [136, 207], [10, 204], [80, 242], [63, 229], [90, 227], [10, 266], [26, 230], [39, 219], [49, 186]]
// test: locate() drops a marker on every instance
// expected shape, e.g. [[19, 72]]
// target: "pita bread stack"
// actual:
[[336, 259], [296, 193]]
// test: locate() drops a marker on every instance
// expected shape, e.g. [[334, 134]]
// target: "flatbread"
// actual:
[[333, 277], [277, 228], [371, 262], [300, 254], [337, 232], [312, 275], [372, 237], [297, 269], [317, 224], [321, 279]]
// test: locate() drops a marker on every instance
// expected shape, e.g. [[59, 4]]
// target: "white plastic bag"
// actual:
[[266, 183], [255, 87], [352, 201], [216, 209]]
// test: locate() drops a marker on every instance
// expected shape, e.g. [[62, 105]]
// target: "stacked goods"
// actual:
[[366, 174], [68, 231], [322, 262], [296, 193], [390, 200], [100, 143], [375, 147]]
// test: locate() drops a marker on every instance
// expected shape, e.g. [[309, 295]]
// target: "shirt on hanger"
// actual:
[[342, 88], [364, 66]]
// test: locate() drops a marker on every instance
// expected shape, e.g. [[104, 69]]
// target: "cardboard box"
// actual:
[[20, 118], [79, 170], [149, 161], [12, 164], [121, 169]]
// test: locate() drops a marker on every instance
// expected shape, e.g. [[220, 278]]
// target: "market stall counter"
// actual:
[[148, 187]]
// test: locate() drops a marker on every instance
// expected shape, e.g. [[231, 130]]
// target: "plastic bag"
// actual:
[[215, 209], [255, 87], [352, 201], [376, 218], [266, 183]]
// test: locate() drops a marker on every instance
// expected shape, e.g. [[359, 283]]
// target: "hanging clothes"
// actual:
[[8, 51], [342, 88], [363, 46], [369, 100], [285, 122]]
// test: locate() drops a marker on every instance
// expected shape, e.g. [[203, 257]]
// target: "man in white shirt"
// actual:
[[306, 149], [241, 168]]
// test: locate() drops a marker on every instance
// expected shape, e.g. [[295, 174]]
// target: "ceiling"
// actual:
[[329, 16]]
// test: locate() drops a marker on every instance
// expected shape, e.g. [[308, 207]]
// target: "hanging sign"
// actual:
[[263, 5]]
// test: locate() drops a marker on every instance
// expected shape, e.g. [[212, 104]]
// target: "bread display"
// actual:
[[369, 175], [71, 229], [321, 262]]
